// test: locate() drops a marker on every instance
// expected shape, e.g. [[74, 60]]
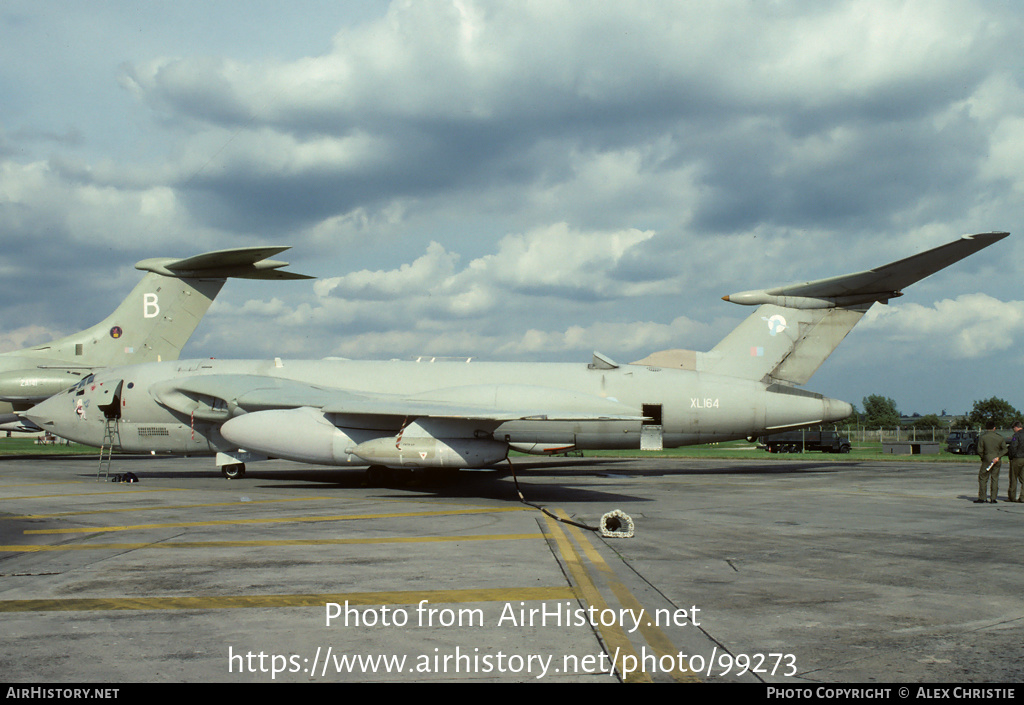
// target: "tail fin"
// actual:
[[778, 344], [159, 316], [797, 326]]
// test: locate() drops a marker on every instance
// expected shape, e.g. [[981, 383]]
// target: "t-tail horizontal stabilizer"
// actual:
[[878, 284], [241, 263], [797, 326]]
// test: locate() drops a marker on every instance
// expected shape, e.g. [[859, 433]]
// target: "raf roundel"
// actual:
[[776, 324], [116, 332]]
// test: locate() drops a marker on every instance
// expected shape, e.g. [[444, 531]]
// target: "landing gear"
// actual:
[[235, 471]]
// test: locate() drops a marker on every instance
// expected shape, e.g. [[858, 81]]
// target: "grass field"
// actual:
[[743, 449], [27, 446]]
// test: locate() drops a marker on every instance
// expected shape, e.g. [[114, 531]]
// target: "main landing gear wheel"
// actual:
[[235, 471]]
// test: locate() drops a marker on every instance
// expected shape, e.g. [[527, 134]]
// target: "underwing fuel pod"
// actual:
[[447, 414]]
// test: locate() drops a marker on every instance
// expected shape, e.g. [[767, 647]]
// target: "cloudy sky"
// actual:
[[523, 180]]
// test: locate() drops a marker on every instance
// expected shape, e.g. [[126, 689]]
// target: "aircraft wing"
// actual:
[[449, 427], [878, 284], [220, 396]]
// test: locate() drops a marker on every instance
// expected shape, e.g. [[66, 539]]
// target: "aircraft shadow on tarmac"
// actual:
[[542, 480]]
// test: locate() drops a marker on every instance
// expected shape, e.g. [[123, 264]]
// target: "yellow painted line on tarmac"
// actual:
[[617, 644], [235, 503], [212, 602], [274, 520], [653, 634], [261, 544]]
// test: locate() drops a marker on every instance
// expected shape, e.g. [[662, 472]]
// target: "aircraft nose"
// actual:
[[44, 415]]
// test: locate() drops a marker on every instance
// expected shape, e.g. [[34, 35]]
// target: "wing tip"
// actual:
[[994, 236]]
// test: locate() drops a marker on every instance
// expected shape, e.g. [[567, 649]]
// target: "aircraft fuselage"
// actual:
[[622, 407]]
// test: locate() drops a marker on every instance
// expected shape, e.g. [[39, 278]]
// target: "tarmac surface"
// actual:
[[771, 570]]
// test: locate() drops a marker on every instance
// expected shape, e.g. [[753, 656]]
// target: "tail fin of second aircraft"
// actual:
[[796, 327], [159, 316]]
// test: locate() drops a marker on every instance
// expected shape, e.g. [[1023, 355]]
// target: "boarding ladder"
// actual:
[[111, 434]]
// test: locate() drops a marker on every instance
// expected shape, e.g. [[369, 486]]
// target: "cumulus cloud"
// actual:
[[426, 273], [476, 60], [635, 337], [970, 326], [26, 336], [554, 261], [433, 305], [64, 205], [561, 258], [562, 99]]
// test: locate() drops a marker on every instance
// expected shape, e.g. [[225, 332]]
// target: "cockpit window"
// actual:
[[79, 388]]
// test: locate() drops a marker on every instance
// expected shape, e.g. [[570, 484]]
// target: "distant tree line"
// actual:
[[881, 412], [994, 411]]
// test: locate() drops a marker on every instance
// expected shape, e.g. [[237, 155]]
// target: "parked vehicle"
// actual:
[[963, 442], [800, 441]]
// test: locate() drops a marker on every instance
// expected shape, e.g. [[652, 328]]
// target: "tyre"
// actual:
[[235, 471]]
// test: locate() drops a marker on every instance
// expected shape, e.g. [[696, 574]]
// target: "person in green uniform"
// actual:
[[991, 447], [1016, 454]]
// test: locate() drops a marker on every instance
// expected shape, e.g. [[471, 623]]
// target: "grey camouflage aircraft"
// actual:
[[152, 324], [432, 414]]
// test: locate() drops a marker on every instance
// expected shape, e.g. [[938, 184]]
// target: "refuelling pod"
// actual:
[[428, 452], [302, 435], [305, 435]]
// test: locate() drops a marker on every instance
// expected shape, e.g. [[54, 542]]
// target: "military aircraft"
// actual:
[[430, 414], [153, 323]]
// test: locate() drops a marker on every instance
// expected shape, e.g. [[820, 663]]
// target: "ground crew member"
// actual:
[[1017, 463], [991, 447]]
